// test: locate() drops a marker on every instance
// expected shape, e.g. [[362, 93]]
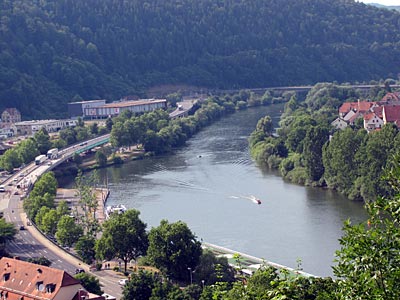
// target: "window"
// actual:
[[50, 288], [40, 286], [6, 276]]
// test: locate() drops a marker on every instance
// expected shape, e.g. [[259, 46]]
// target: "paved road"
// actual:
[[30, 242]]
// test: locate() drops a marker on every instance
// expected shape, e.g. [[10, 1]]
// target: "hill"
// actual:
[[384, 6], [56, 50]]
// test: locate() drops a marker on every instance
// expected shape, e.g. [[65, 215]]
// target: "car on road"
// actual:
[[2, 189], [123, 281], [108, 297]]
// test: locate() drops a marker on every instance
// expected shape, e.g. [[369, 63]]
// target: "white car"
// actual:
[[109, 297], [123, 281]]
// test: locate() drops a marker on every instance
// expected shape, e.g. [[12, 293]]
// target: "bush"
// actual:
[[274, 161], [117, 160], [98, 266]]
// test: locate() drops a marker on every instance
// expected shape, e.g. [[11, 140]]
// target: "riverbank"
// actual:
[[293, 222]]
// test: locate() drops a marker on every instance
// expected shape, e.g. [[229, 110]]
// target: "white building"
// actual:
[[31, 127], [115, 108]]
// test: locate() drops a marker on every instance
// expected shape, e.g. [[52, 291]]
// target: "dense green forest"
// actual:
[[53, 51]]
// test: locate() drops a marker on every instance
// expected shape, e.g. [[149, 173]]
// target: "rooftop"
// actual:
[[36, 281], [87, 101], [133, 103]]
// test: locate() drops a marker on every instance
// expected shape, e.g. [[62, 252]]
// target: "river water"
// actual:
[[209, 184]]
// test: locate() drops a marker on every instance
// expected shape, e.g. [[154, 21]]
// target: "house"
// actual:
[[115, 108], [391, 114], [391, 98], [372, 121], [11, 116], [20, 280], [7, 130], [339, 123]]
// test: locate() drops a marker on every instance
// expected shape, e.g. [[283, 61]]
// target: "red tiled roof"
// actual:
[[378, 111], [346, 107], [369, 116], [391, 97], [364, 106], [391, 113], [361, 106], [24, 278]]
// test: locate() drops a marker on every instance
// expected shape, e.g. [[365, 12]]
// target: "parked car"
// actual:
[[77, 271], [123, 281], [22, 227]]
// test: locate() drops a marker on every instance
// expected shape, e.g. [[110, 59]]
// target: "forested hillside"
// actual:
[[55, 50]]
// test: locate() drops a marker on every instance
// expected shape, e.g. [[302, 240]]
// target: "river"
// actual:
[[208, 184]]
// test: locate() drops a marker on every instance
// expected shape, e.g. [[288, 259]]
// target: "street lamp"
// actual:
[[190, 272], [202, 283]]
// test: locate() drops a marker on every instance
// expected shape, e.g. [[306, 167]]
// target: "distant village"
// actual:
[[11, 124], [373, 114]]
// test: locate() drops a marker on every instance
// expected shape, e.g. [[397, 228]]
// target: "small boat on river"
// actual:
[[119, 209]]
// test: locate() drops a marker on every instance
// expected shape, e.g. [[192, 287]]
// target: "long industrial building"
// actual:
[[115, 108]]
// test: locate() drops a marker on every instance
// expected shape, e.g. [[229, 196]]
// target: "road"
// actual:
[[29, 242]]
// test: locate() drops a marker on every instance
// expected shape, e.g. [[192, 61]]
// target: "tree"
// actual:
[[341, 160], [368, 262], [88, 202], [315, 138], [101, 158], [124, 236], [90, 283], [173, 248], [174, 98], [68, 232], [265, 125], [94, 128], [77, 158], [47, 183], [85, 247], [118, 136], [139, 287], [42, 139], [7, 233], [27, 150], [62, 208], [10, 160], [109, 124], [212, 269], [33, 204], [49, 222], [152, 141]]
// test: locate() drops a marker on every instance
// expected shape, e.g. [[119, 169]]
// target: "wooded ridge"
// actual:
[[53, 51]]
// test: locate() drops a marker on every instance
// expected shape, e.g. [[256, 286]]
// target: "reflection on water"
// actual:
[[209, 185]]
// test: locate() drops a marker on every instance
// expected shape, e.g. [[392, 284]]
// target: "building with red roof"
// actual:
[[21, 280], [391, 113]]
